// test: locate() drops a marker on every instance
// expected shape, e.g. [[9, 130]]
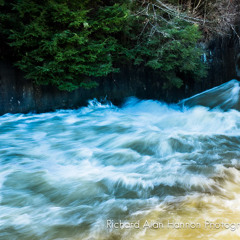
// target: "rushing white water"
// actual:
[[64, 174], [225, 96]]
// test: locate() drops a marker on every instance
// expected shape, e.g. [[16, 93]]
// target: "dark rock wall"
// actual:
[[18, 95], [223, 54], [222, 57]]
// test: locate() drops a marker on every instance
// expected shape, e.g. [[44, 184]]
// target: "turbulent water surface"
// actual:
[[64, 174]]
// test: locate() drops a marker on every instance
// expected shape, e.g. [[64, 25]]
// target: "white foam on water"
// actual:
[[80, 167]]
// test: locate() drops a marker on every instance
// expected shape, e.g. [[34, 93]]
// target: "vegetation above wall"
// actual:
[[63, 42], [68, 43]]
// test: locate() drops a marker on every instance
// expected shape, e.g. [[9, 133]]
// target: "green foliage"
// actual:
[[167, 44], [68, 43], [63, 43]]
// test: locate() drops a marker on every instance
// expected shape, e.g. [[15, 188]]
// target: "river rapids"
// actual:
[[78, 174]]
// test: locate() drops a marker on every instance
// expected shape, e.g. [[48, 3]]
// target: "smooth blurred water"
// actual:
[[63, 174]]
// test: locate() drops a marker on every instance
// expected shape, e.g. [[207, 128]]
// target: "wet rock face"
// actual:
[[18, 95], [238, 65], [224, 57]]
